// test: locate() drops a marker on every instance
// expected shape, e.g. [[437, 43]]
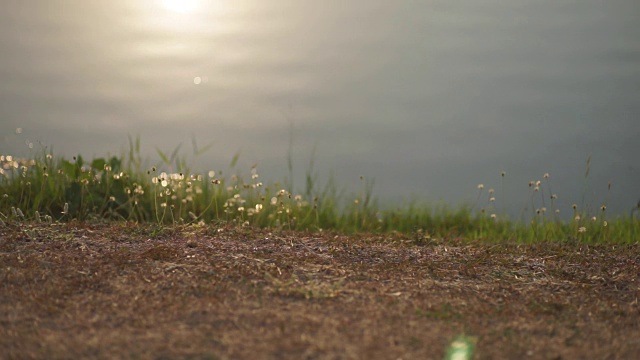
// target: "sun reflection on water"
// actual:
[[183, 16], [181, 6], [176, 35]]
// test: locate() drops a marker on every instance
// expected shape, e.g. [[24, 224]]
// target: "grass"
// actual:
[[111, 258], [51, 189]]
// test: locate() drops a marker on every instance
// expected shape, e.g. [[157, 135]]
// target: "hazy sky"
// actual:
[[427, 97]]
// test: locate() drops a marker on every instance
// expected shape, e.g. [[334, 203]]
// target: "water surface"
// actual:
[[430, 98]]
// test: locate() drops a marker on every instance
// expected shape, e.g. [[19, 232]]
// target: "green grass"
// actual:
[[52, 189]]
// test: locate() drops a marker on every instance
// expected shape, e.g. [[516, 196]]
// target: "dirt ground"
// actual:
[[126, 291]]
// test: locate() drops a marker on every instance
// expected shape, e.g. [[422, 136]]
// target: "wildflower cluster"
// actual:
[[48, 190]]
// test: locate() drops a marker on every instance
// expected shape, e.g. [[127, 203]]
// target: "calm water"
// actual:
[[430, 98]]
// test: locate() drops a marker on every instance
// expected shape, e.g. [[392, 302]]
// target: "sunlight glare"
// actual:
[[181, 6]]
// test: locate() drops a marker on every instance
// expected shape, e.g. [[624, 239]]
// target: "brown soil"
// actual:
[[130, 291]]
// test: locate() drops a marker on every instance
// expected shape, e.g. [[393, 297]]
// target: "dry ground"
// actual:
[[128, 291]]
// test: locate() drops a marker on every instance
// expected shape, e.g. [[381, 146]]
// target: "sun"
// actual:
[[181, 6]]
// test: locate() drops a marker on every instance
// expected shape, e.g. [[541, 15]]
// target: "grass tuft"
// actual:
[[49, 189]]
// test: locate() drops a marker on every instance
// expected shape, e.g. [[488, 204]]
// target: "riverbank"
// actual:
[[124, 290]]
